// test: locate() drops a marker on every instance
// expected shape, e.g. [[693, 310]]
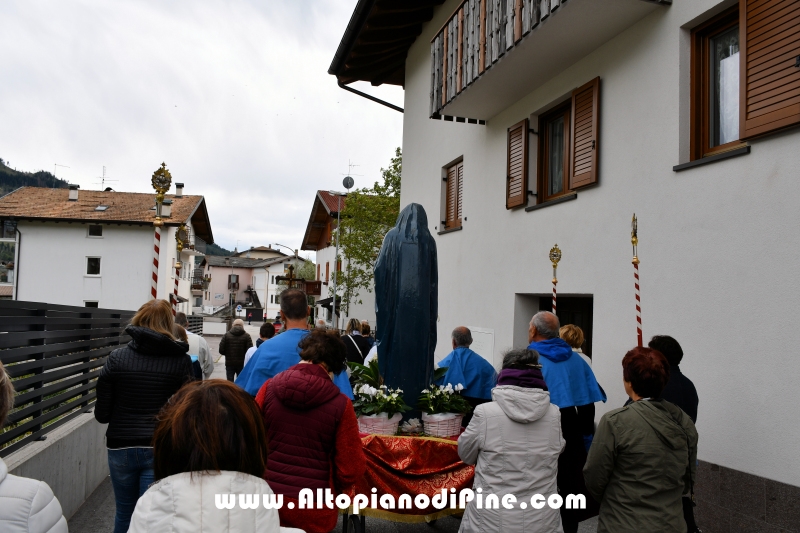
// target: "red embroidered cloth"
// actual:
[[399, 465]]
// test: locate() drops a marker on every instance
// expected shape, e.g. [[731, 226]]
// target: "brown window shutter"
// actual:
[[585, 145], [517, 167], [769, 75], [455, 178]]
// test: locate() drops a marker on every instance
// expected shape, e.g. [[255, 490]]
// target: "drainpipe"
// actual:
[[370, 97], [16, 263]]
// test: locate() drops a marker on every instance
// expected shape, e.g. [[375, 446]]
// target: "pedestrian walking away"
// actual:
[[643, 458], [134, 384], [233, 346]]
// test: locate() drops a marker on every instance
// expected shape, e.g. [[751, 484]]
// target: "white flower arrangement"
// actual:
[[444, 399]]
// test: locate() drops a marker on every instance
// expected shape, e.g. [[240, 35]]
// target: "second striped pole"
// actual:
[[635, 261], [555, 257]]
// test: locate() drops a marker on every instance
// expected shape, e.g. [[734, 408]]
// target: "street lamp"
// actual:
[[348, 184]]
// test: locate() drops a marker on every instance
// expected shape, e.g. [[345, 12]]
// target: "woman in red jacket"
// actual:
[[312, 432]]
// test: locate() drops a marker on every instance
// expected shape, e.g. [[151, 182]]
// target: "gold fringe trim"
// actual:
[[435, 439]]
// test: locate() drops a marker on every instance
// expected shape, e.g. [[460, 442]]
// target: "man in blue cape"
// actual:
[[281, 352], [574, 390], [468, 368]]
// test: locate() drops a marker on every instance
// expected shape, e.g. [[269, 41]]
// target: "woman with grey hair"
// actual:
[[26, 505], [514, 442]]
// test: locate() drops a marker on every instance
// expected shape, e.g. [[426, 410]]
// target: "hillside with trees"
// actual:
[[11, 179]]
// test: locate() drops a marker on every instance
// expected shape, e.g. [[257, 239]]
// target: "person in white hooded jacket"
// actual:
[[514, 442], [209, 451], [26, 505]]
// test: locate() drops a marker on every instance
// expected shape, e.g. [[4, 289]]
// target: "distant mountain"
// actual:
[[213, 249], [11, 179]]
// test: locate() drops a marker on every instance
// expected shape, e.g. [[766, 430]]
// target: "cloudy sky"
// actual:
[[234, 95]]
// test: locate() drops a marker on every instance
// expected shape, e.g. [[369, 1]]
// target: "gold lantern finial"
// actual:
[[635, 238], [161, 181], [555, 257]]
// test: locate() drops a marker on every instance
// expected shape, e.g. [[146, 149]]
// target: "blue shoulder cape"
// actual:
[[276, 355], [570, 380], [471, 370]]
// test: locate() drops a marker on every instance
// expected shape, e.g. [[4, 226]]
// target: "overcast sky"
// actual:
[[233, 95]]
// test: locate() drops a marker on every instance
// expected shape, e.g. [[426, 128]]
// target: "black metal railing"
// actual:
[[53, 354]]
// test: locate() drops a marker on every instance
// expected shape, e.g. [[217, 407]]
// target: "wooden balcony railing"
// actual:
[[478, 34]]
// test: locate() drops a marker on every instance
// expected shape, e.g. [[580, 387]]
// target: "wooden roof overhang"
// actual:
[[317, 223], [375, 44]]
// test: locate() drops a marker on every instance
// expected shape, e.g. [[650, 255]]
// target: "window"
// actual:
[[8, 250], [91, 304], [95, 230], [271, 297], [745, 75], [339, 265], [327, 271], [715, 61], [554, 153], [318, 272], [101, 208], [453, 194], [567, 149], [93, 266]]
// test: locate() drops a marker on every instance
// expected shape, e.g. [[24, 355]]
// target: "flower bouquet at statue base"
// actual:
[[379, 409], [443, 408]]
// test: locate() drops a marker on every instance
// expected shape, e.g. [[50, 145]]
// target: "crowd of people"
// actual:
[[283, 421]]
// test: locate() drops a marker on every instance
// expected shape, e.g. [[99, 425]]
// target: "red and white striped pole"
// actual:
[[175, 291], [635, 261], [156, 252], [555, 257]]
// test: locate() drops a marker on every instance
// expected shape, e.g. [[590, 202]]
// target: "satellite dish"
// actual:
[[348, 183]]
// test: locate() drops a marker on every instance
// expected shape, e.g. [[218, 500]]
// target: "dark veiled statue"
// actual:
[[406, 302]]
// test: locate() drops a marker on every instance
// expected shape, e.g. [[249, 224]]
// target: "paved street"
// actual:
[[96, 515]]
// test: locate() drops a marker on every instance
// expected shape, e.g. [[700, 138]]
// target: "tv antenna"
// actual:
[[55, 168], [350, 166], [103, 179]]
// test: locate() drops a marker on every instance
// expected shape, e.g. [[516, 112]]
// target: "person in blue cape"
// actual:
[[281, 352], [574, 389], [469, 369]]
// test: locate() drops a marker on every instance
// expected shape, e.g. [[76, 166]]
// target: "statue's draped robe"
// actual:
[[406, 304]]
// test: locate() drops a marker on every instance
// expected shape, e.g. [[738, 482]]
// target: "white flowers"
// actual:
[[425, 391], [367, 390], [459, 387]]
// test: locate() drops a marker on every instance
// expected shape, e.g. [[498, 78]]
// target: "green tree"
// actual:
[[368, 215]]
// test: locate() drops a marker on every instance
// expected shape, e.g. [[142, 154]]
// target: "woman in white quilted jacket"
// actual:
[[26, 505], [209, 446]]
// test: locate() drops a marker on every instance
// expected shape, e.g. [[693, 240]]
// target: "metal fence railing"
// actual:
[[53, 354]]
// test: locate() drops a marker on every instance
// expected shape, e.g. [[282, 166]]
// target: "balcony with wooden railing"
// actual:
[[491, 53]]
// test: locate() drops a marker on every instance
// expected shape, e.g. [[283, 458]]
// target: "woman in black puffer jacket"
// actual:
[[133, 386]]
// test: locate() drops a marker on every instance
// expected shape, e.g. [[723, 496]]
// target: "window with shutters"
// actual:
[[568, 145], [745, 75], [327, 271], [453, 196], [716, 86]]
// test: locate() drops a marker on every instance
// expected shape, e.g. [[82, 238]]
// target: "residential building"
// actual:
[[260, 252], [98, 248], [249, 282], [534, 122], [320, 237]]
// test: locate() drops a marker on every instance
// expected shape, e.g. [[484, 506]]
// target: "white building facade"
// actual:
[[70, 253], [555, 129]]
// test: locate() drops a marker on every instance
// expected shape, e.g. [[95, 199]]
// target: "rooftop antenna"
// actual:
[[350, 166], [55, 167], [103, 180]]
